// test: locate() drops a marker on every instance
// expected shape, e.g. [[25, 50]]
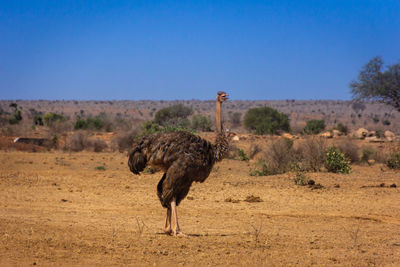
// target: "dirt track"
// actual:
[[57, 209]]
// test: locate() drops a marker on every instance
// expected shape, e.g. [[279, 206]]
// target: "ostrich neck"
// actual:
[[218, 117], [221, 141]]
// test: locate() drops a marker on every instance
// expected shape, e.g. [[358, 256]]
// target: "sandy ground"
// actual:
[[57, 209]]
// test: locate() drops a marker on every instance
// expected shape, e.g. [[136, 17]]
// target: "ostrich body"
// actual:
[[184, 158]]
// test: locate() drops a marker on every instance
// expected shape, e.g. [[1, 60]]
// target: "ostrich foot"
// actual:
[[168, 231], [180, 234]]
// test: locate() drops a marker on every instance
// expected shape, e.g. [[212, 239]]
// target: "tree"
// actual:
[[173, 116], [314, 126], [266, 120], [201, 122], [377, 83]]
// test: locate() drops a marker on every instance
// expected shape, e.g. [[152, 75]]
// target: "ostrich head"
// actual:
[[222, 96]]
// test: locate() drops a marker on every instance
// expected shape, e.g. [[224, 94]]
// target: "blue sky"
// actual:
[[105, 50]]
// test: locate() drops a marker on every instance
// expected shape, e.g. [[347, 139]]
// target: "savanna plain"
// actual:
[[87, 209]]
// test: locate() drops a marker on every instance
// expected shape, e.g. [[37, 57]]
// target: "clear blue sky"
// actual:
[[190, 49]]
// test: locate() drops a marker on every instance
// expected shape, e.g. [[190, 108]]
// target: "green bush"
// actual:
[[314, 126], [50, 118], [173, 116], [201, 123], [96, 123], [335, 161], [266, 120], [38, 120], [393, 161], [17, 116], [242, 155]]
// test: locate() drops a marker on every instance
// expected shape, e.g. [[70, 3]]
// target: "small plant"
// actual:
[[393, 161], [100, 168], [242, 155], [300, 179], [336, 161], [314, 126]]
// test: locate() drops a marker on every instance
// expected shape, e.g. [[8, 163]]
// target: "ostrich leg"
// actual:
[[167, 228], [176, 231]]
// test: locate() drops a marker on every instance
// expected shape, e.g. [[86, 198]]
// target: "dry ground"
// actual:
[[56, 209]]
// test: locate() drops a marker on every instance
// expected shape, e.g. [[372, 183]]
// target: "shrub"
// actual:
[[175, 116], [125, 141], [78, 142], [236, 119], [254, 149], [314, 126], [201, 123], [350, 150], [266, 120], [51, 118], [300, 179], [100, 168], [335, 161], [342, 128], [278, 158], [393, 162], [367, 153], [242, 155], [96, 123], [310, 153], [38, 120], [98, 145]]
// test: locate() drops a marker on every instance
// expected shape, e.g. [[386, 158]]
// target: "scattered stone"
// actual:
[[190, 198], [64, 200], [374, 139], [337, 186], [287, 135], [229, 199], [382, 185], [360, 133], [393, 185], [371, 162], [236, 138], [311, 182], [326, 134], [316, 186], [252, 198], [336, 133], [389, 135]]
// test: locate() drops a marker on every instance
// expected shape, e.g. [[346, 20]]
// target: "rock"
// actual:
[[336, 133], [361, 133], [372, 133], [236, 138], [326, 134], [371, 162], [389, 135], [374, 139], [287, 135]]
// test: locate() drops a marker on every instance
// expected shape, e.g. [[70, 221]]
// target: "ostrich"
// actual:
[[184, 158]]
